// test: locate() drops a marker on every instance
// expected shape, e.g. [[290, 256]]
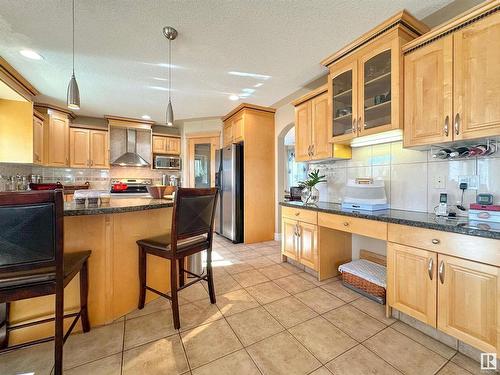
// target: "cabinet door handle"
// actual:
[[354, 126], [446, 125], [430, 268], [435, 241], [309, 150], [359, 124], [441, 272], [312, 150], [346, 224], [298, 230], [457, 124]]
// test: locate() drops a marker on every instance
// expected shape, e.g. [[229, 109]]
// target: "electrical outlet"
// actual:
[[439, 182], [471, 181]]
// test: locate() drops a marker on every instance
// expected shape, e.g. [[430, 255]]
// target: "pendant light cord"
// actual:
[[169, 67], [73, 37]]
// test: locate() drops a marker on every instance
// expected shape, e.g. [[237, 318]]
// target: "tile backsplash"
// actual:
[[411, 176]]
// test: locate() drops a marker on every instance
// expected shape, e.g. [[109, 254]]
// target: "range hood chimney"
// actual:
[[131, 158]]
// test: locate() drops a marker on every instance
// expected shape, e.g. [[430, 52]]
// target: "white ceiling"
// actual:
[[122, 54]]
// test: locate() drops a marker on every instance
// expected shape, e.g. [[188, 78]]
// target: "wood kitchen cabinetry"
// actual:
[[452, 80], [312, 121], [88, 148], [300, 239], [38, 135], [365, 81], [233, 129], [166, 145]]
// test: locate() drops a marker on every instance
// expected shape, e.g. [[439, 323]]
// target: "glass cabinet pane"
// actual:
[[377, 90], [342, 103], [202, 173]]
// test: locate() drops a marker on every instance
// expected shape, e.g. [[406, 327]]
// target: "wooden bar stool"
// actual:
[[191, 233], [33, 264]]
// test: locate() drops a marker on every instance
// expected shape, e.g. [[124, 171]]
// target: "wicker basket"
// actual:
[[364, 286]]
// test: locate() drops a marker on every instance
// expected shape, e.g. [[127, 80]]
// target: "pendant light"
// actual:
[[170, 33], [73, 95]]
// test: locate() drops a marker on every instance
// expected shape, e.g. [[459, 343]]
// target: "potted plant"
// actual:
[[310, 195]]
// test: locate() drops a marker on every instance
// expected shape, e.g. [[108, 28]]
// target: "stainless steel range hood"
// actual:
[[131, 158]]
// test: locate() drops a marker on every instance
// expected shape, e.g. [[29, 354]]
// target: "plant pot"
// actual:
[[310, 195]]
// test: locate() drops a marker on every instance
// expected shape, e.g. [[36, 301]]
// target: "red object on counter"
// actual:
[[489, 207], [55, 186], [119, 187]]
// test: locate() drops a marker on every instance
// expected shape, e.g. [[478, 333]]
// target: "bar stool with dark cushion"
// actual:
[[33, 264], [191, 233]]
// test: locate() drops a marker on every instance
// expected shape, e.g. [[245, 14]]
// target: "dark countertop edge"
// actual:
[[414, 223], [103, 210]]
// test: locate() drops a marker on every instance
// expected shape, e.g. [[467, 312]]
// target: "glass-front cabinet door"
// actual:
[[376, 94], [343, 85]]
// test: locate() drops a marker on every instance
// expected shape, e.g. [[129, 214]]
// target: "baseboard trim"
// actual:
[[277, 236]]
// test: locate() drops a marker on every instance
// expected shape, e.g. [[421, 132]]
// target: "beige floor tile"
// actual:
[[282, 354], [469, 364], [314, 279], [249, 278], [275, 271], [290, 311], [260, 262], [319, 300], [372, 308], [237, 267], [193, 293], [360, 361], [224, 285], [427, 341], [258, 245], [107, 366], [403, 353], [321, 371], [197, 313], [208, 342], [165, 356], [276, 258], [245, 256], [267, 292], [98, 343], [355, 323], [338, 290], [294, 284], [292, 268], [322, 338], [269, 250], [453, 369], [254, 325], [235, 302], [37, 359], [148, 328], [232, 364], [155, 305]]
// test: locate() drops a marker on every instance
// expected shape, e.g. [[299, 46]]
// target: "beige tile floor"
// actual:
[[270, 318]]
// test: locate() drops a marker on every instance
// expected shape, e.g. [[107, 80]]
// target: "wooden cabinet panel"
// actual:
[[289, 240], [237, 128], [307, 216], [321, 147], [159, 144], [166, 145], [308, 245], [58, 140], [79, 148], [227, 133], [428, 102], [99, 151], [364, 227], [173, 145], [303, 129], [477, 79], [468, 295], [38, 133], [411, 281]]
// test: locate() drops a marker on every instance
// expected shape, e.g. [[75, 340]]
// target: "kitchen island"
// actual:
[[111, 232]]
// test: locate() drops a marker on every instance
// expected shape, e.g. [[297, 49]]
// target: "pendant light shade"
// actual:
[[73, 99], [73, 94], [170, 33]]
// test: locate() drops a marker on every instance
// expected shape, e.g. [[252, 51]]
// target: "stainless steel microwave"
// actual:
[[167, 162]]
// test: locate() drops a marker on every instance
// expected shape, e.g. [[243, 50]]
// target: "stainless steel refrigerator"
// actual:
[[229, 181]]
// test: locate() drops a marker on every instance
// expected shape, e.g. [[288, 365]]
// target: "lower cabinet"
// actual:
[[300, 242], [459, 297]]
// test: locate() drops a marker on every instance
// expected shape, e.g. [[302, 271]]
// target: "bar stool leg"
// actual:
[[142, 277], [4, 324], [59, 330], [210, 276], [84, 294], [173, 293], [181, 272]]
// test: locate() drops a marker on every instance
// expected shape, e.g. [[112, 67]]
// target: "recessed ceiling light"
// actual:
[[258, 84], [30, 54], [146, 117], [248, 91], [252, 75], [233, 97]]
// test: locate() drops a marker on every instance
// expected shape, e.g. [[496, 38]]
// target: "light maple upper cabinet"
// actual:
[[468, 296], [89, 148], [38, 135], [166, 145], [57, 139], [452, 80], [365, 80], [233, 129], [312, 123]]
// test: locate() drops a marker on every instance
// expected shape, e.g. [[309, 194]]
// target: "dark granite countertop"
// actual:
[[117, 205], [412, 218]]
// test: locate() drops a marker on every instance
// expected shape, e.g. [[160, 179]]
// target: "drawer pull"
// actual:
[[346, 224], [297, 213], [446, 125], [441, 272], [430, 268], [435, 241]]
